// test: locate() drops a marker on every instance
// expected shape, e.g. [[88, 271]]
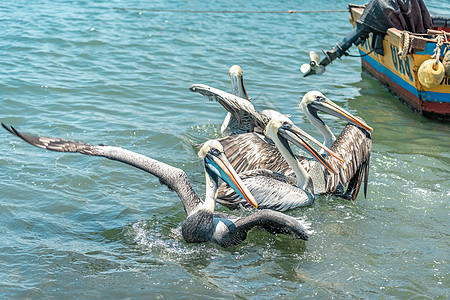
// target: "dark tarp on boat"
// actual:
[[380, 15]]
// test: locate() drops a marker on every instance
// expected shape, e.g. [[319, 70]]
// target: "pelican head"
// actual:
[[283, 130], [270, 114], [315, 100], [237, 82], [217, 165]]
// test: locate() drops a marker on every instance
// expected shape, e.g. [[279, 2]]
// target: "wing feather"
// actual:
[[176, 179]]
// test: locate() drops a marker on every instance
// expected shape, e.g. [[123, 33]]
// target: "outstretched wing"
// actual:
[[176, 179], [235, 105]]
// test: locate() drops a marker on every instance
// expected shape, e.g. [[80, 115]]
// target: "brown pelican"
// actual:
[[249, 152], [354, 144], [273, 190], [202, 223]]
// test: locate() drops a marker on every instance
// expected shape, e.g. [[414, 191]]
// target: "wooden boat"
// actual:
[[398, 68], [415, 66]]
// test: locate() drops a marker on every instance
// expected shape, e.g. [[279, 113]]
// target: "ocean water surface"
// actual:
[[74, 226]]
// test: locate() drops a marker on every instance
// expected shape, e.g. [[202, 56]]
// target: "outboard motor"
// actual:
[[377, 18], [314, 67]]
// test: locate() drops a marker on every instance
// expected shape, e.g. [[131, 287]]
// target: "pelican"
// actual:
[[202, 223], [354, 143], [273, 190], [237, 106], [244, 121], [249, 152]]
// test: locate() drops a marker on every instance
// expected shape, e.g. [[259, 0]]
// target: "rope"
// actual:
[[437, 50], [360, 55], [230, 11], [423, 36], [403, 45]]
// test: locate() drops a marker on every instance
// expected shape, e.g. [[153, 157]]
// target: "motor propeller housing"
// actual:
[[356, 37], [314, 66]]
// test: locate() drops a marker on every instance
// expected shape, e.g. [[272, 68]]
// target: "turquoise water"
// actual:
[[74, 226]]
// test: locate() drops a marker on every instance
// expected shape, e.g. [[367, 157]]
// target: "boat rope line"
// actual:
[[426, 36], [232, 11], [403, 45], [360, 55], [437, 50], [352, 55]]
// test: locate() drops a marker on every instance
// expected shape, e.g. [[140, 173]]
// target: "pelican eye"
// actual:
[[320, 98], [215, 152]]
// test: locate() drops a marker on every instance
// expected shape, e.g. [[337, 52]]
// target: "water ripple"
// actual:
[[85, 71]]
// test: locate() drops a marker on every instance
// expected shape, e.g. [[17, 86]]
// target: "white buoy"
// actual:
[[431, 76]]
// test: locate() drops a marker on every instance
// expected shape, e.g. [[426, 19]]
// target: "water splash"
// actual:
[[152, 236]]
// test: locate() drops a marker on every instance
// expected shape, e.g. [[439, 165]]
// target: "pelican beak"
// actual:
[[294, 135], [327, 106], [219, 164], [244, 90], [301, 132]]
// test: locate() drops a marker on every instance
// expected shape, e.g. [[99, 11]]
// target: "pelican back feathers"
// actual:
[[251, 151]]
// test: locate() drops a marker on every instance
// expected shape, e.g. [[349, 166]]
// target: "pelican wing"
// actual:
[[250, 152], [274, 222], [270, 189], [230, 231], [353, 145], [174, 178], [241, 109]]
